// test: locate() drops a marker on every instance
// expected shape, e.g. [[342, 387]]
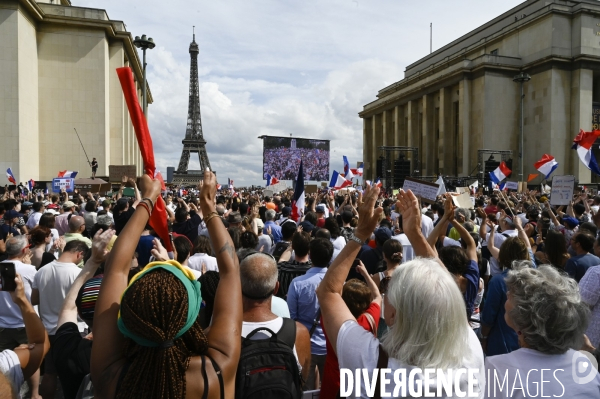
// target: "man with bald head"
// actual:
[[76, 227], [258, 273]]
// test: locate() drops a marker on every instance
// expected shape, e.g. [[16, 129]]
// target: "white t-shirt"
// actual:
[[195, 262], [55, 237], [525, 366], [426, 225], [359, 349], [407, 250], [273, 325], [10, 314], [449, 242], [33, 220], [10, 366], [339, 243], [53, 281]]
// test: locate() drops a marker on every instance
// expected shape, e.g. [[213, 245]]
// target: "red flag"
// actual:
[[158, 219], [158, 175], [532, 176]]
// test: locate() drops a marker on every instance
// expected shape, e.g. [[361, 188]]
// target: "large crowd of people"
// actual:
[[283, 163], [253, 304]]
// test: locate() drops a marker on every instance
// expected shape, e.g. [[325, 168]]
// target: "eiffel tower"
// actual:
[[194, 139]]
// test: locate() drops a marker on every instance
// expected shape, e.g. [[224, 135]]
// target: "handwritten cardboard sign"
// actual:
[[116, 172], [427, 191], [562, 190], [310, 189]]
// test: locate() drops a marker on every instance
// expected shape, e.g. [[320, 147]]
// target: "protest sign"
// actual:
[[427, 191], [463, 200], [562, 190], [512, 185], [310, 189], [461, 190], [116, 172], [68, 184]]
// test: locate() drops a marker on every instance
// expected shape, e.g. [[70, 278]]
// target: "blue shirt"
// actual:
[[303, 303], [472, 276], [578, 265], [275, 231], [502, 338]]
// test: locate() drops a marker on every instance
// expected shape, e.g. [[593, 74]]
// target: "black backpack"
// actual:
[[268, 367]]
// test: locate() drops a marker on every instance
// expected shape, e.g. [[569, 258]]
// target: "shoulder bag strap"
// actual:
[[315, 322]]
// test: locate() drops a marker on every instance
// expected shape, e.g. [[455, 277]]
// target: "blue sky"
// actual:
[[269, 67]]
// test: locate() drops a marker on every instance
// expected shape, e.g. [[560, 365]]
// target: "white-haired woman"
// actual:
[[423, 307], [545, 309]]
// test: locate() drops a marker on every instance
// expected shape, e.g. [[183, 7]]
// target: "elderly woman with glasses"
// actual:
[[545, 309]]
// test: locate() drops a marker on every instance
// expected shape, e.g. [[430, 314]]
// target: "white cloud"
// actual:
[[269, 67]]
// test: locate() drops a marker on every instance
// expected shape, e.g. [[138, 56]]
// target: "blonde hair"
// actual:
[[430, 328]]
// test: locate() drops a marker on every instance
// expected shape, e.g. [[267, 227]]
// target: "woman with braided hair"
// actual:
[[148, 342]]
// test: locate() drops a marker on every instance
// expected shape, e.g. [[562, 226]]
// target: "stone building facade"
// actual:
[[462, 98], [57, 72]]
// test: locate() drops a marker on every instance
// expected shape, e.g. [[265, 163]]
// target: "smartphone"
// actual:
[[7, 276], [355, 263]]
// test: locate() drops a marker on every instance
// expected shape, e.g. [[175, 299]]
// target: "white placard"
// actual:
[[268, 193], [562, 190], [512, 185], [278, 187], [463, 200], [461, 190], [427, 191]]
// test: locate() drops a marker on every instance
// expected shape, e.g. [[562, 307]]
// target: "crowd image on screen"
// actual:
[[282, 156]]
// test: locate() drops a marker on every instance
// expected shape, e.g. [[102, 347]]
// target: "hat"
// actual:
[[286, 211], [68, 204], [320, 209], [8, 215], [234, 217], [87, 297], [106, 203], [571, 221], [307, 226], [383, 234], [27, 203]]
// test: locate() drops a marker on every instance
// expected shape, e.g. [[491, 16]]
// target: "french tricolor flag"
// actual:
[[501, 173], [358, 171], [583, 144], [230, 184], [546, 165], [67, 173], [378, 183], [298, 200], [271, 180], [31, 184], [218, 186], [337, 181], [10, 176], [347, 171]]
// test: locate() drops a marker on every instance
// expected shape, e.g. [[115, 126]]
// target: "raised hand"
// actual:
[[408, 204], [208, 192], [158, 251], [368, 215], [100, 243], [149, 188]]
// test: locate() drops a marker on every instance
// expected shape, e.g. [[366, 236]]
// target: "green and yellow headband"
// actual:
[[194, 300]]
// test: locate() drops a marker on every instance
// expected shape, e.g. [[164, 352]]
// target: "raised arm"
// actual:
[[442, 225], [31, 356], [495, 252], [483, 216], [333, 308], [108, 340], [408, 205], [373, 287], [224, 336], [68, 313], [552, 215], [467, 239], [522, 234]]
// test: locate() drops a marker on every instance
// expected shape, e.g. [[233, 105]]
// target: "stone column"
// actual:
[[464, 130], [582, 81], [412, 129], [398, 122], [428, 137], [445, 146], [374, 147]]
